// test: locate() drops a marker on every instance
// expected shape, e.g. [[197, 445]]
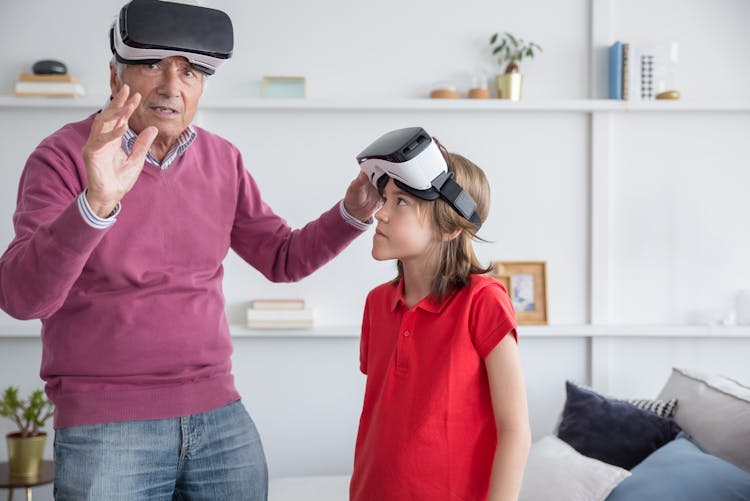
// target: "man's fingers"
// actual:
[[122, 95], [120, 108], [112, 122], [142, 144], [113, 135], [131, 104]]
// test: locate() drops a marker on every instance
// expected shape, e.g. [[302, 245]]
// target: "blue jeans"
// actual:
[[215, 455]]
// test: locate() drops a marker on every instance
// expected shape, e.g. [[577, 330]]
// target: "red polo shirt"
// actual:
[[427, 430]]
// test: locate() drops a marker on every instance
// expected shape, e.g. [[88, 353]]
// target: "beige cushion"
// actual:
[[556, 470], [715, 411]]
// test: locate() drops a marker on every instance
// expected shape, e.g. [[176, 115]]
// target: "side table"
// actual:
[[46, 476]]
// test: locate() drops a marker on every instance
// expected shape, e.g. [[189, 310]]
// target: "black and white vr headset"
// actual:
[[413, 160], [147, 31]]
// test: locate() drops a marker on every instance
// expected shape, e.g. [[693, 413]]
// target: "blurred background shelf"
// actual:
[[444, 105]]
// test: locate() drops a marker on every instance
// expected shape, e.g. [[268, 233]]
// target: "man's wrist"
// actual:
[[92, 218], [102, 210], [357, 223]]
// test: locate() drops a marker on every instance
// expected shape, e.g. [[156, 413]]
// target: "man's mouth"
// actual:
[[164, 109]]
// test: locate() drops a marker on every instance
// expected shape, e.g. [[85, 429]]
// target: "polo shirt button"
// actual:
[[406, 333]]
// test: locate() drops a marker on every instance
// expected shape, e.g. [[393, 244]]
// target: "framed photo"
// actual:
[[283, 87], [526, 282]]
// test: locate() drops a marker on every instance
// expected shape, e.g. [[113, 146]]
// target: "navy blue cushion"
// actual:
[[610, 430], [681, 471]]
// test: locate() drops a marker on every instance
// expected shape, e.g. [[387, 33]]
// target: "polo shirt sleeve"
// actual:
[[492, 317]]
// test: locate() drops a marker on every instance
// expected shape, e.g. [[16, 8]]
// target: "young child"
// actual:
[[444, 414]]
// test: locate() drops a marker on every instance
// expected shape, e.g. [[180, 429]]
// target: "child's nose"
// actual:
[[382, 214]]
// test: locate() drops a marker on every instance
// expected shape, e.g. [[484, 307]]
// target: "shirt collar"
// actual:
[[427, 303], [178, 148]]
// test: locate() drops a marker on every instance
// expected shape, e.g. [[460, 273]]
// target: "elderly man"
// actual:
[[122, 223]]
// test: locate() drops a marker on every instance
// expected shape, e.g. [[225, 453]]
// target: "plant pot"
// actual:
[[509, 86], [25, 454]]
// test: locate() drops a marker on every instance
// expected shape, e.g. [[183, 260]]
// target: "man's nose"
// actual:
[[169, 84]]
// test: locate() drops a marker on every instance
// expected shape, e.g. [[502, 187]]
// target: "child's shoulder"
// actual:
[[490, 300], [485, 284], [484, 289]]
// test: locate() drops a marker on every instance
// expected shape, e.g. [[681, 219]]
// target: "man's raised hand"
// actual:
[[111, 173]]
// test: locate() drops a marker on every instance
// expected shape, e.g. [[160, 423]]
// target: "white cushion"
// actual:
[[316, 488], [715, 411], [556, 470]]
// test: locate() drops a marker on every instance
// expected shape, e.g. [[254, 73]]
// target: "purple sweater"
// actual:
[[133, 321]]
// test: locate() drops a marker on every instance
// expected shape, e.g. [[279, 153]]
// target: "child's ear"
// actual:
[[452, 235]]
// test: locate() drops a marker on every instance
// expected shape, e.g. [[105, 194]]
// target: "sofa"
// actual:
[[691, 443]]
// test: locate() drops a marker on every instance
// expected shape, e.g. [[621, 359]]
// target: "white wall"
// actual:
[[678, 244], [386, 48]]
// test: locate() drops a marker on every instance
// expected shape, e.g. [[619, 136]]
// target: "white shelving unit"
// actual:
[[601, 112], [446, 105], [588, 145], [535, 331]]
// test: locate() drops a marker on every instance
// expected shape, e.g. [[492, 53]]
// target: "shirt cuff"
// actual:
[[91, 218], [360, 225]]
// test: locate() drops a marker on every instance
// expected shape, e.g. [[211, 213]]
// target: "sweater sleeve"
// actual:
[[280, 253], [52, 241]]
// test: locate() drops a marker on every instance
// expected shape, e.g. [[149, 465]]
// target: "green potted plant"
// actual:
[[510, 51], [25, 446]]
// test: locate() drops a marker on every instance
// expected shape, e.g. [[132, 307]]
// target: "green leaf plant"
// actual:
[[510, 50], [28, 415]]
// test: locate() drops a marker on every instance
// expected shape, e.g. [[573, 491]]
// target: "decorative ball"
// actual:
[[49, 67]]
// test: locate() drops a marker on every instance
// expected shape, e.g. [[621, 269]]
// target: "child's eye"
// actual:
[[401, 201]]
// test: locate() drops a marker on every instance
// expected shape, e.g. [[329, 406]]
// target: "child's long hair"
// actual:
[[457, 260]]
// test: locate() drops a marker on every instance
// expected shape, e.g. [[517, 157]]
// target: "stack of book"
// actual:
[[279, 314], [631, 72], [30, 84]]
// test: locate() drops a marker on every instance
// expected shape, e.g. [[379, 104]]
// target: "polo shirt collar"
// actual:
[[427, 304]]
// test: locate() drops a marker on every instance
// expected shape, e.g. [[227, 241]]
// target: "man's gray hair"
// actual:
[[119, 68]]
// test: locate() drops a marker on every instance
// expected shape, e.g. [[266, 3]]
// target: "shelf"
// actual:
[[386, 105], [336, 331], [31, 330], [536, 331], [630, 331]]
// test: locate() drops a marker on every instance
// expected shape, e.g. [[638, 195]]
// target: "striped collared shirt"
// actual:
[[178, 148]]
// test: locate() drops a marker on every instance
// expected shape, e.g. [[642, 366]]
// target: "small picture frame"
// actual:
[[526, 282], [283, 87]]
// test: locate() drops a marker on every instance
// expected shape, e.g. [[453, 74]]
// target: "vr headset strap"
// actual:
[[451, 191]]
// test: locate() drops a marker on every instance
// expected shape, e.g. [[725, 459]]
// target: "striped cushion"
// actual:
[[663, 408]]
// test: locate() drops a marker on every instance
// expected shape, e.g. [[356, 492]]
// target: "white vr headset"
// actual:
[[147, 31], [413, 160]]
